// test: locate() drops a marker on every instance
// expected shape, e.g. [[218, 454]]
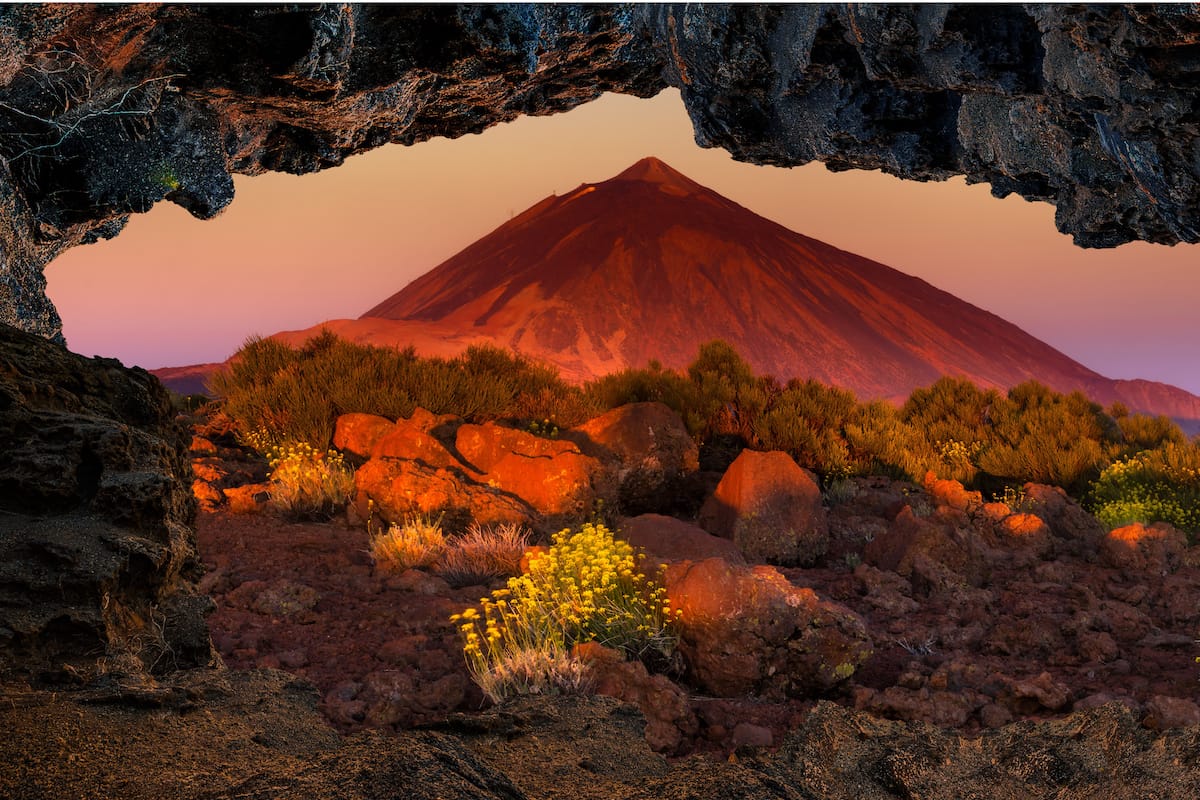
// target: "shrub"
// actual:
[[307, 483], [952, 409], [1042, 436], [1142, 432], [726, 396], [1161, 485], [585, 588], [298, 393], [652, 383], [418, 542], [483, 554], [806, 420]]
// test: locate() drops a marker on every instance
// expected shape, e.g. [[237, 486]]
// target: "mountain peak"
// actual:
[[654, 170]]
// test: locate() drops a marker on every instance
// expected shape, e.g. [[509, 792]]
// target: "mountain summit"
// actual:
[[650, 264]]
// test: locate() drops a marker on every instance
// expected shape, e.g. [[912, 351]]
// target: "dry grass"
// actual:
[[419, 542], [535, 671], [483, 554]]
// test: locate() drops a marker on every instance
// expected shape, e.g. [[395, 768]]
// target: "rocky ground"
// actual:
[[922, 643], [955, 612]]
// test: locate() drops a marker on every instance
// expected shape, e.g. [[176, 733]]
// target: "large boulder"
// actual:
[[406, 440], [356, 434], [746, 630], [392, 489], [770, 507], [551, 475], [649, 449], [97, 553]]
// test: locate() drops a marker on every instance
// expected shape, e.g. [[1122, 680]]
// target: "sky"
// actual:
[[292, 251]]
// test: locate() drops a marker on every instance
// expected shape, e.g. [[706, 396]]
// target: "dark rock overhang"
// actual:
[[106, 110]]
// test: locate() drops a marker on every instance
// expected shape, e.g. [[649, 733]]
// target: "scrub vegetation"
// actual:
[[1127, 467]]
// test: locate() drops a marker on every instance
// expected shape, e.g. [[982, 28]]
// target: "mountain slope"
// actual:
[[649, 264]]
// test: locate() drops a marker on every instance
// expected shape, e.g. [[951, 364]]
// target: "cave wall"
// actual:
[[98, 559], [105, 111]]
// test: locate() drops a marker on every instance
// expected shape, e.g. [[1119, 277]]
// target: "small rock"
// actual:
[[674, 540], [248, 499], [1164, 712], [753, 736], [748, 630], [206, 494], [1157, 548], [994, 716]]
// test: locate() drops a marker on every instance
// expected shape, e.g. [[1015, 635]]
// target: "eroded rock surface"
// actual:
[[105, 111], [97, 553]]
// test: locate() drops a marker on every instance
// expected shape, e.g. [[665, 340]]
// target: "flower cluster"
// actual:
[[1161, 485], [308, 483], [586, 587]]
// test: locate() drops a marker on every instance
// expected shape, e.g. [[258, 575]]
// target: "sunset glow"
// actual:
[[293, 251]]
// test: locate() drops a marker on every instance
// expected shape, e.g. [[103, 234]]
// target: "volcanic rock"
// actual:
[[551, 475], [770, 508], [670, 721], [395, 489], [670, 539], [356, 434], [648, 447], [97, 554], [404, 440], [1158, 548], [748, 631]]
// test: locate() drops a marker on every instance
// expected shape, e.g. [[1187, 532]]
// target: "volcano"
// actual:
[[650, 264]]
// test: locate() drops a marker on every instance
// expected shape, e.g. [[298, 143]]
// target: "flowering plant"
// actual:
[[586, 587]]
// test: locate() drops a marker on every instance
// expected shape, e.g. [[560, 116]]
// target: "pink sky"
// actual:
[[293, 251]]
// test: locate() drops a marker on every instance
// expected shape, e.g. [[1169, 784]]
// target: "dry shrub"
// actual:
[[483, 554], [418, 542]]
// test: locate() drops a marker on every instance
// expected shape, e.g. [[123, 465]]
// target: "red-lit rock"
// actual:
[[550, 475], [648, 448], [770, 508], [356, 434], [392, 489], [404, 440], [1157, 548], [748, 631]]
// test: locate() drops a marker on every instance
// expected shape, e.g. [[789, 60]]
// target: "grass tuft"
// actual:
[[483, 554], [417, 543]]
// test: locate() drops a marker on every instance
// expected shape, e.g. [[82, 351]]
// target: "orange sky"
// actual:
[[293, 251]]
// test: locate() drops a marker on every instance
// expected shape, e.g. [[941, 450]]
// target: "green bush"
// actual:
[[1042, 436], [296, 394], [952, 428], [1161, 485], [727, 397], [807, 420], [649, 384]]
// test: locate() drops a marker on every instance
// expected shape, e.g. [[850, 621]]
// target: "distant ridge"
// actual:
[[650, 264]]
